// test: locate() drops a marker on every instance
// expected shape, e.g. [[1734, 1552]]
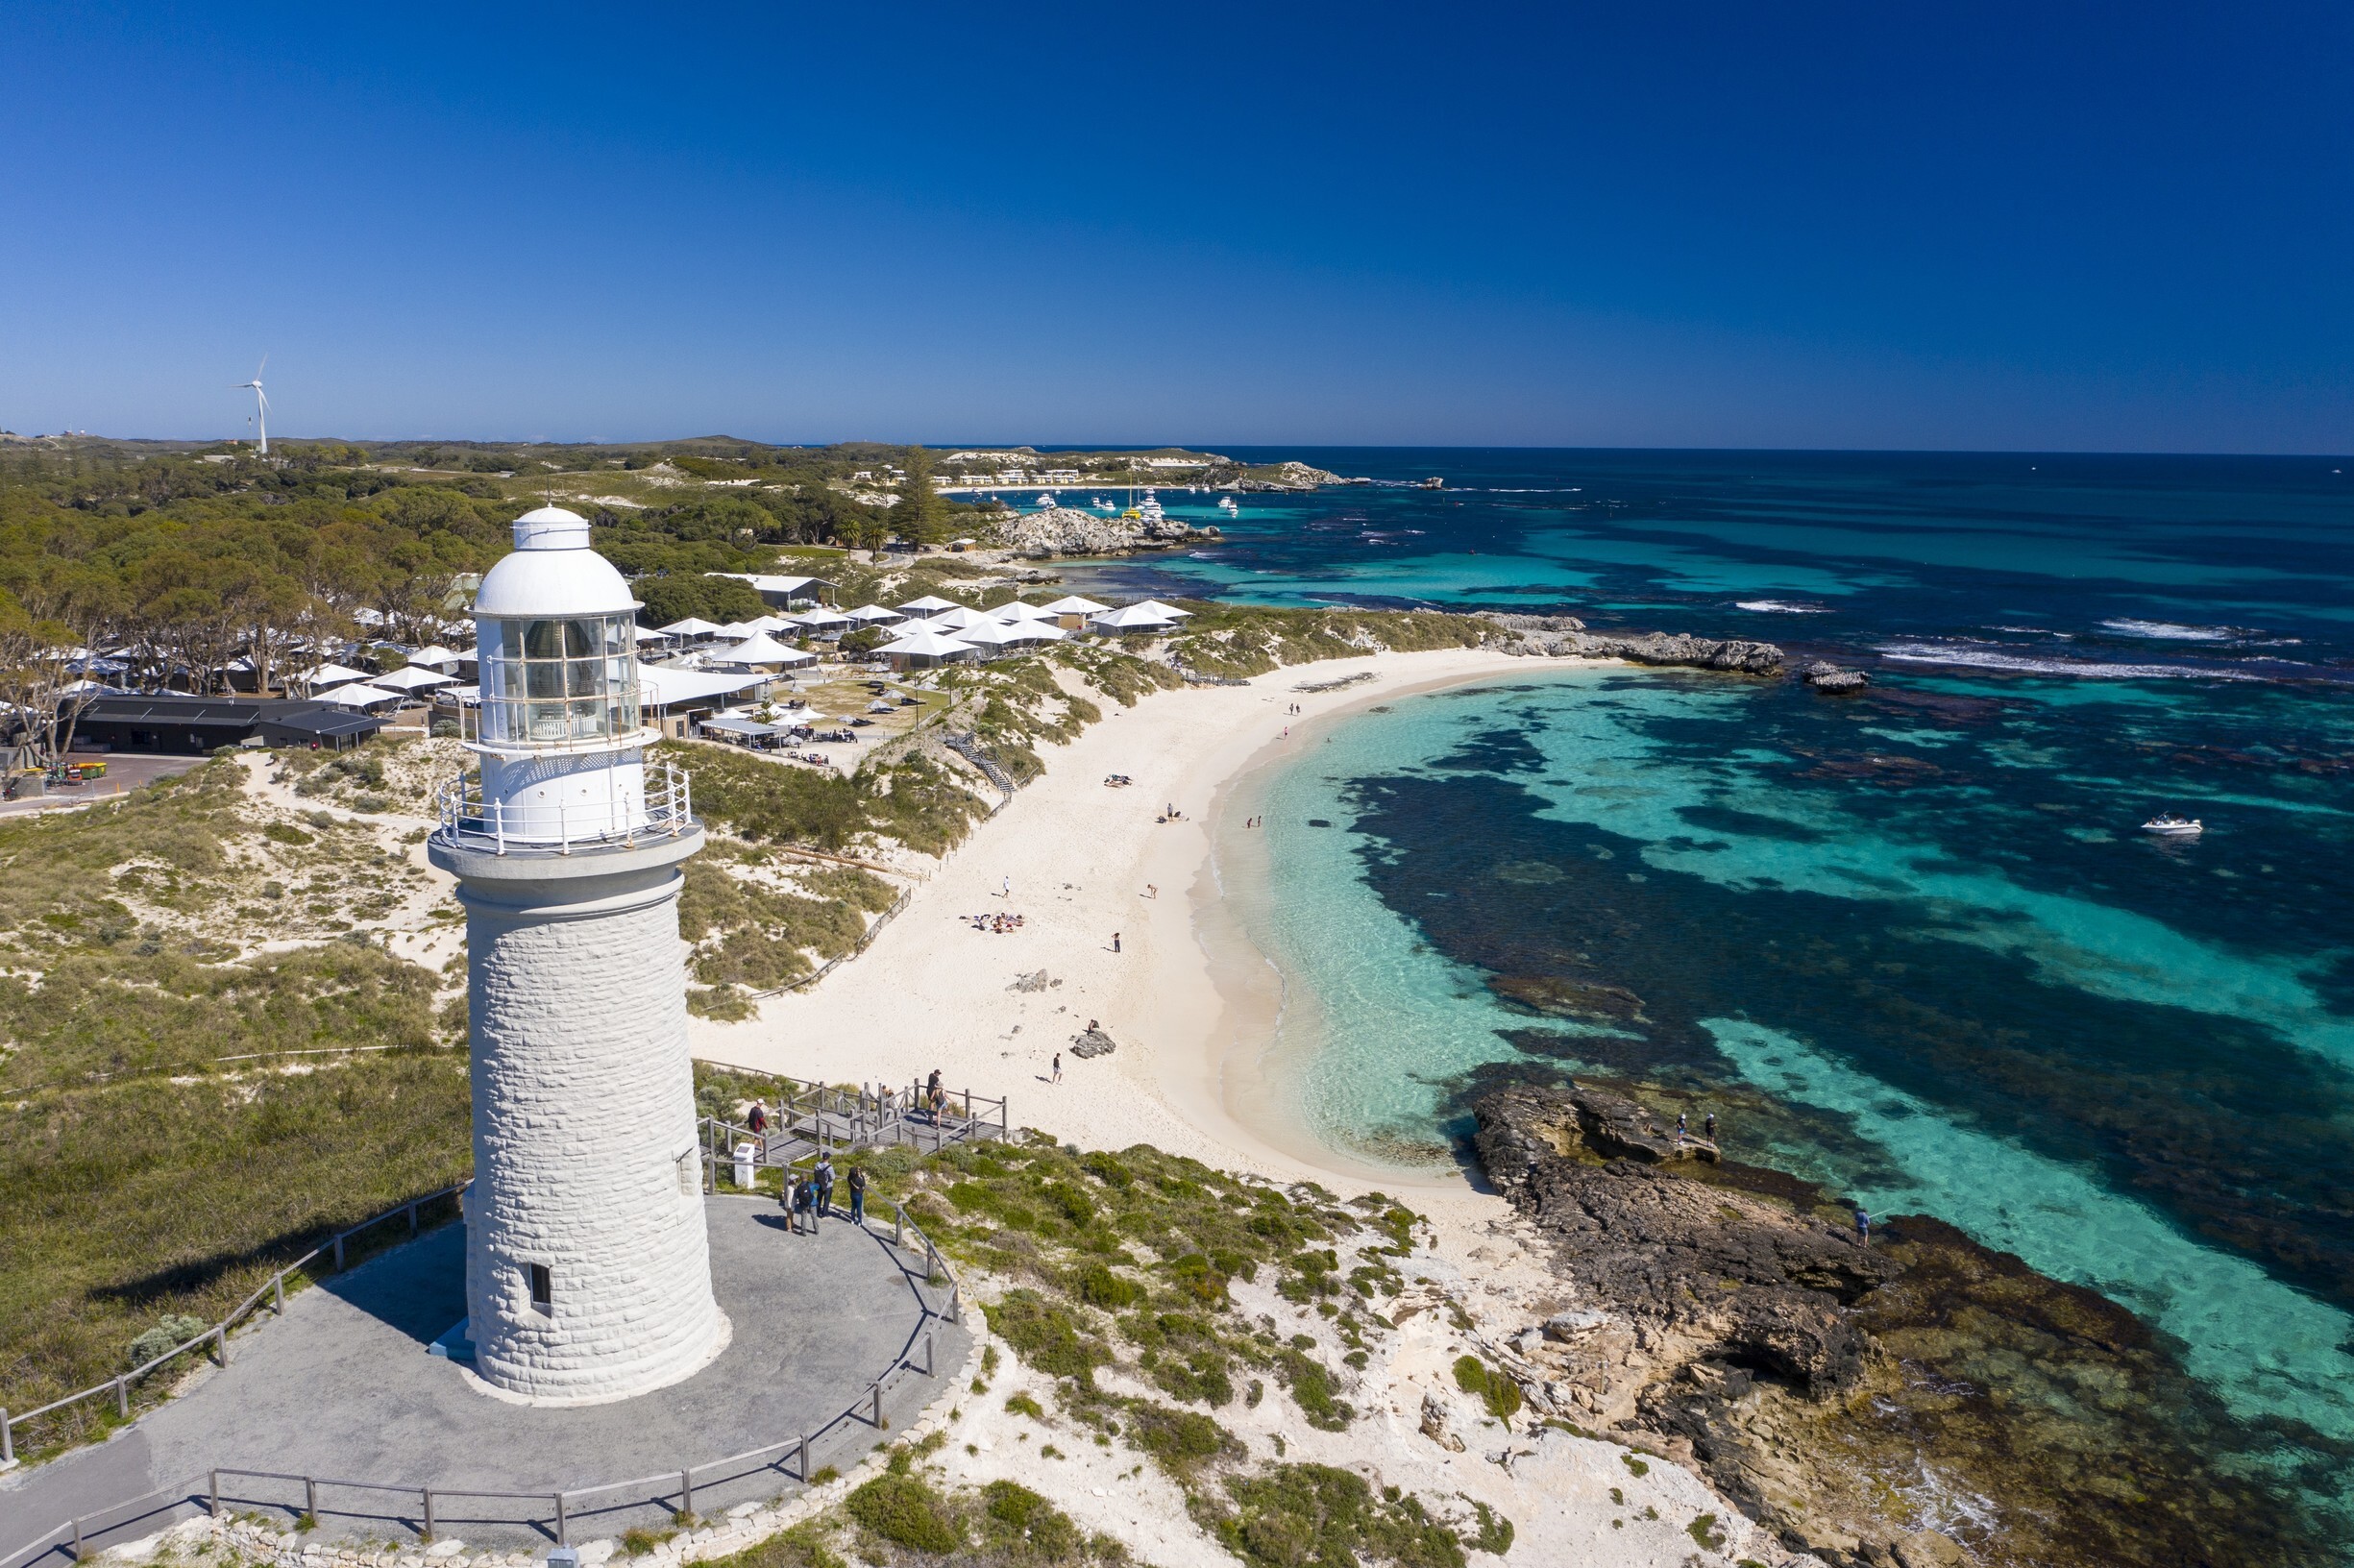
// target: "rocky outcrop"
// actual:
[[1067, 531], [1090, 1043], [1283, 476], [1564, 637], [1825, 677]]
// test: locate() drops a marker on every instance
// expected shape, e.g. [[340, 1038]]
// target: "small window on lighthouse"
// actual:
[[543, 1289]]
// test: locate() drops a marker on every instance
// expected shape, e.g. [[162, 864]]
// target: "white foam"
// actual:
[[1983, 658], [2171, 632], [1775, 606]]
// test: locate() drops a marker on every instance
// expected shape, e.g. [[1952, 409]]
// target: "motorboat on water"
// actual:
[[2168, 826], [1226, 505], [1099, 504], [1149, 509], [1045, 497]]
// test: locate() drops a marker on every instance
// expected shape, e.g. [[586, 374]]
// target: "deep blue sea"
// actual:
[[1912, 943]]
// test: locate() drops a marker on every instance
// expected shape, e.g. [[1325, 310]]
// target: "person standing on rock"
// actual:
[[1709, 1127], [1683, 1125], [1863, 1226]]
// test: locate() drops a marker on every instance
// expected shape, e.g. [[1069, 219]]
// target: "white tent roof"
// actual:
[[659, 685], [434, 656], [412, 678], [929, 604], [956, 617], [761, 649], [738, 630], [1074, 605], [331, 675], [871, 613], [691, 626], [991, 633], [768, 622], [926, 643], [1167, 612], [1016, 611], [821, 617], [648, 634], [1132, 617], [361, 696], [1034, 631]]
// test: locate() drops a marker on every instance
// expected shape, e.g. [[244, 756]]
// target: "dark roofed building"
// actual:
[[191, 725]]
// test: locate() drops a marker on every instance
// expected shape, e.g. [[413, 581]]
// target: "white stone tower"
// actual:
[[588, 1271]]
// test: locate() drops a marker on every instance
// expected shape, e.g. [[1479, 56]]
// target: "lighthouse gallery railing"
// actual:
[[469, 821]]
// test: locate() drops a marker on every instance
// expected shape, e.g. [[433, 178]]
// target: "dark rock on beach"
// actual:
[[1725, 1315], [1090, 1043]]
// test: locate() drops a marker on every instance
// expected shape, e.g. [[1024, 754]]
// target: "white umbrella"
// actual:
[[434, 656]]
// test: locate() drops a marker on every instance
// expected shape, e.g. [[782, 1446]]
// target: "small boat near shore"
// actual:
[[2168, 826]]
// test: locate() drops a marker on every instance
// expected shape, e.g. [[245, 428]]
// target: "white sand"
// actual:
[[933, 993]]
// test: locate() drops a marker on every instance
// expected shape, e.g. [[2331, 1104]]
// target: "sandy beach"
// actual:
[[1190, 1005]]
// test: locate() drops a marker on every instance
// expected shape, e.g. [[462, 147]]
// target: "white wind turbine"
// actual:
[[261, 402]]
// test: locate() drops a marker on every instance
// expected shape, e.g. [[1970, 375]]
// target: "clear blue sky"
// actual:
[[2123, 226]]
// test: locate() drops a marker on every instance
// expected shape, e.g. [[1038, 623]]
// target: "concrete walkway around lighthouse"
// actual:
[[342, 1389]]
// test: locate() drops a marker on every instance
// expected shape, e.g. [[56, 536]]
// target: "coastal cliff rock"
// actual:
[[1067, 531], [1869, 1406]]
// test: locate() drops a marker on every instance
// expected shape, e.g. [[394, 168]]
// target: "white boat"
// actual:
[[1045, 499], [1149, 509], [2167, 825], [1099, 504], [1226, 505]]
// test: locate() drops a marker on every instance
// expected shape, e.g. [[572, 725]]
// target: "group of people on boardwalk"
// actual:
[[808, 1198]]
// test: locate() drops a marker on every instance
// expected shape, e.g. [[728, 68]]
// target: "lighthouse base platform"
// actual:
[[347, 1386]]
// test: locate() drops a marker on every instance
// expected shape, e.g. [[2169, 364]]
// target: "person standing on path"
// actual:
[[858, 1194], [1058, 1069], [823, 1176]]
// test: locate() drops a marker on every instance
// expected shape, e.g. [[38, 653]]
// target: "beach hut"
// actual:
[[693, 629], [823, 622], [1130, 620], [1166, 611], [921, 647], [926, 607], [1014, 611], [1034, 631], [1070, 612], [991, 637], [874, 615]]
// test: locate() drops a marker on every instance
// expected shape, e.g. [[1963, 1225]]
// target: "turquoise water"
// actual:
[[1911, 945]]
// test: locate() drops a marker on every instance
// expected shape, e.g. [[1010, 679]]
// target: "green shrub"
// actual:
[[1310, 1383], [171, 1329], [1098, 1286], [1495, 1534], [1315, 1516], [1179, 1439], [1495, 1388], [905, 1512], [1046, 1335], [1016, 1519], [1024, 1405]]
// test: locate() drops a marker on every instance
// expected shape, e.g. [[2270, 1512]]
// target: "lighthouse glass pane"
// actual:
[[553, 682]]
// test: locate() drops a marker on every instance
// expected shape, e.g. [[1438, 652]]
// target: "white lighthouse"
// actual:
[[588, 1272]]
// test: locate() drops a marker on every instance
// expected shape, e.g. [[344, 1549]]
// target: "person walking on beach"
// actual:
[[858, 1194], [1007, 892], [1058, 1067], [824, 1179], [1863, 1226], [1116, 941]]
